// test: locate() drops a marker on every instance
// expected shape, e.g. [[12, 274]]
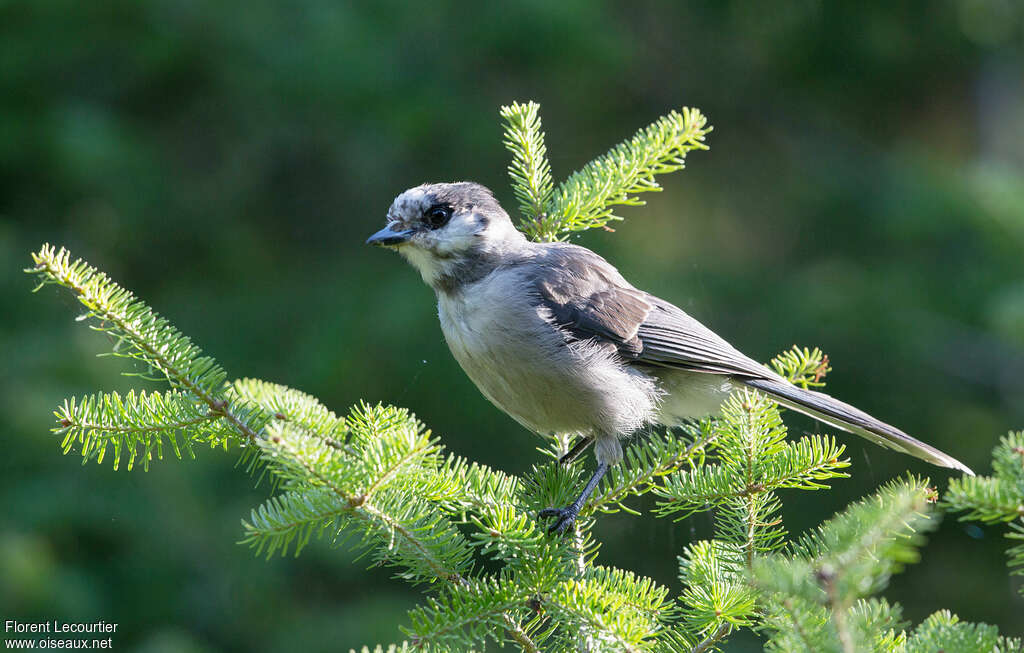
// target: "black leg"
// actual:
[[579, 447], [566, 517]]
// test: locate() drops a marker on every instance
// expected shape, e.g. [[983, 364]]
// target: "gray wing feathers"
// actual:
[[842, 415], [588, 299], [672, 338]]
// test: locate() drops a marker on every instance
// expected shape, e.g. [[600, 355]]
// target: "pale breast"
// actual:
[[521, 362], [506, 348]]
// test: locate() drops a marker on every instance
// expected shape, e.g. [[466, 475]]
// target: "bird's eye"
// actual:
[[438, 216]]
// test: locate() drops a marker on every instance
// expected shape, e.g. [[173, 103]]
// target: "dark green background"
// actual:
[[226, 160]]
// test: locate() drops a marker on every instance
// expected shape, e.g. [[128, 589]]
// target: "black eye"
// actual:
[[438, 216]]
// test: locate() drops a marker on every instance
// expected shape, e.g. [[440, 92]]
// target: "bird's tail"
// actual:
[[844, 416]]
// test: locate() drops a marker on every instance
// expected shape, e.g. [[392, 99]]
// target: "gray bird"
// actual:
[[553, 335]]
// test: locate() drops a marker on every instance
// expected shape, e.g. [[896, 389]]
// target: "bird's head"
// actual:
[[451, 233]]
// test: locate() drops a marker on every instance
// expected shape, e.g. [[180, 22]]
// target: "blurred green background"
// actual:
[[226, 160]]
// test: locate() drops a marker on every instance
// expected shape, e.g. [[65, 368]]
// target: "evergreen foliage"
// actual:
[[997, 498], [530, 169], [943, 631], [586, 199], [378, 479], [139, 423]]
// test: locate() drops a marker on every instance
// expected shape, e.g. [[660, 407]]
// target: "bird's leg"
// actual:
[[566, 517], [578, 447]]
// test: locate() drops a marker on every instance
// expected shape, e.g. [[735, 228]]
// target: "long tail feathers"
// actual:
[[844, 416]]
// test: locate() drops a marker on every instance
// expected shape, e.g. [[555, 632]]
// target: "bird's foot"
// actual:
[[565, 518]]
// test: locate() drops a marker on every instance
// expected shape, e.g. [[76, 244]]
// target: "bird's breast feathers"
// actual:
[[510, 347]]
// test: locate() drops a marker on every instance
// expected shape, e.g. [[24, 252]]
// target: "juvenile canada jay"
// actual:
[[554, 336]]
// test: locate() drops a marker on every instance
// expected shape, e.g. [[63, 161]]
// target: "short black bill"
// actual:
[[387, 237]]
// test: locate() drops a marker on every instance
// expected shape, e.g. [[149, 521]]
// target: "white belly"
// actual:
[[522, 364]]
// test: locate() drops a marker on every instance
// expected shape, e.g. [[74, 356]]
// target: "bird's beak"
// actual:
[[388, 237]]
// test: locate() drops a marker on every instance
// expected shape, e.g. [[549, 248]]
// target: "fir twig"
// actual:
[[135, 421], [150, 338], [802, 366], [996, 498], [529, 170], [586, 199]]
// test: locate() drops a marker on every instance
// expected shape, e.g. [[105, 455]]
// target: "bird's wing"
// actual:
[[672, 338], [588, 299]]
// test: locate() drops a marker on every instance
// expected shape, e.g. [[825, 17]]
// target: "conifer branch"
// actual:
[[615, 607], [519, 635], [943, 631], [530, 170], [795, 618], [709, 642], [585, 199], [429, 546], [858, 549], [802, 366], [996, 498], [833, 567], [297, 408], [473, 609], [482, 489], [151, 338], [292, 517], [754, 459], [133, 421], [715, 593], [644, 463]]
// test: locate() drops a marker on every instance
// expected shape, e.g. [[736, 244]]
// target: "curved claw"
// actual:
[[565, 518]]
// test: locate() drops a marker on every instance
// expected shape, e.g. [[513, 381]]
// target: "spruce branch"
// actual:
[[716, 597], [800, 465], [797, 626], [398, 523], [298, 408], [148, 337], [586, 199], [987, 499], [474, 610], [710, 643], [878, 625], [140, 421], [618, 610], [862, 546], [753, 462], [292, 518], [482, 489], [815, 586], [469, 533], [530, 170], [647, 462], [522, 635], [943, 631], [802, 366], [996, 498]]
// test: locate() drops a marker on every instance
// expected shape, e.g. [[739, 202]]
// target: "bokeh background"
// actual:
[[226, 160]]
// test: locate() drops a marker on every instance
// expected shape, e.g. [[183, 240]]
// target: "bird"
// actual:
[[554, 336]]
